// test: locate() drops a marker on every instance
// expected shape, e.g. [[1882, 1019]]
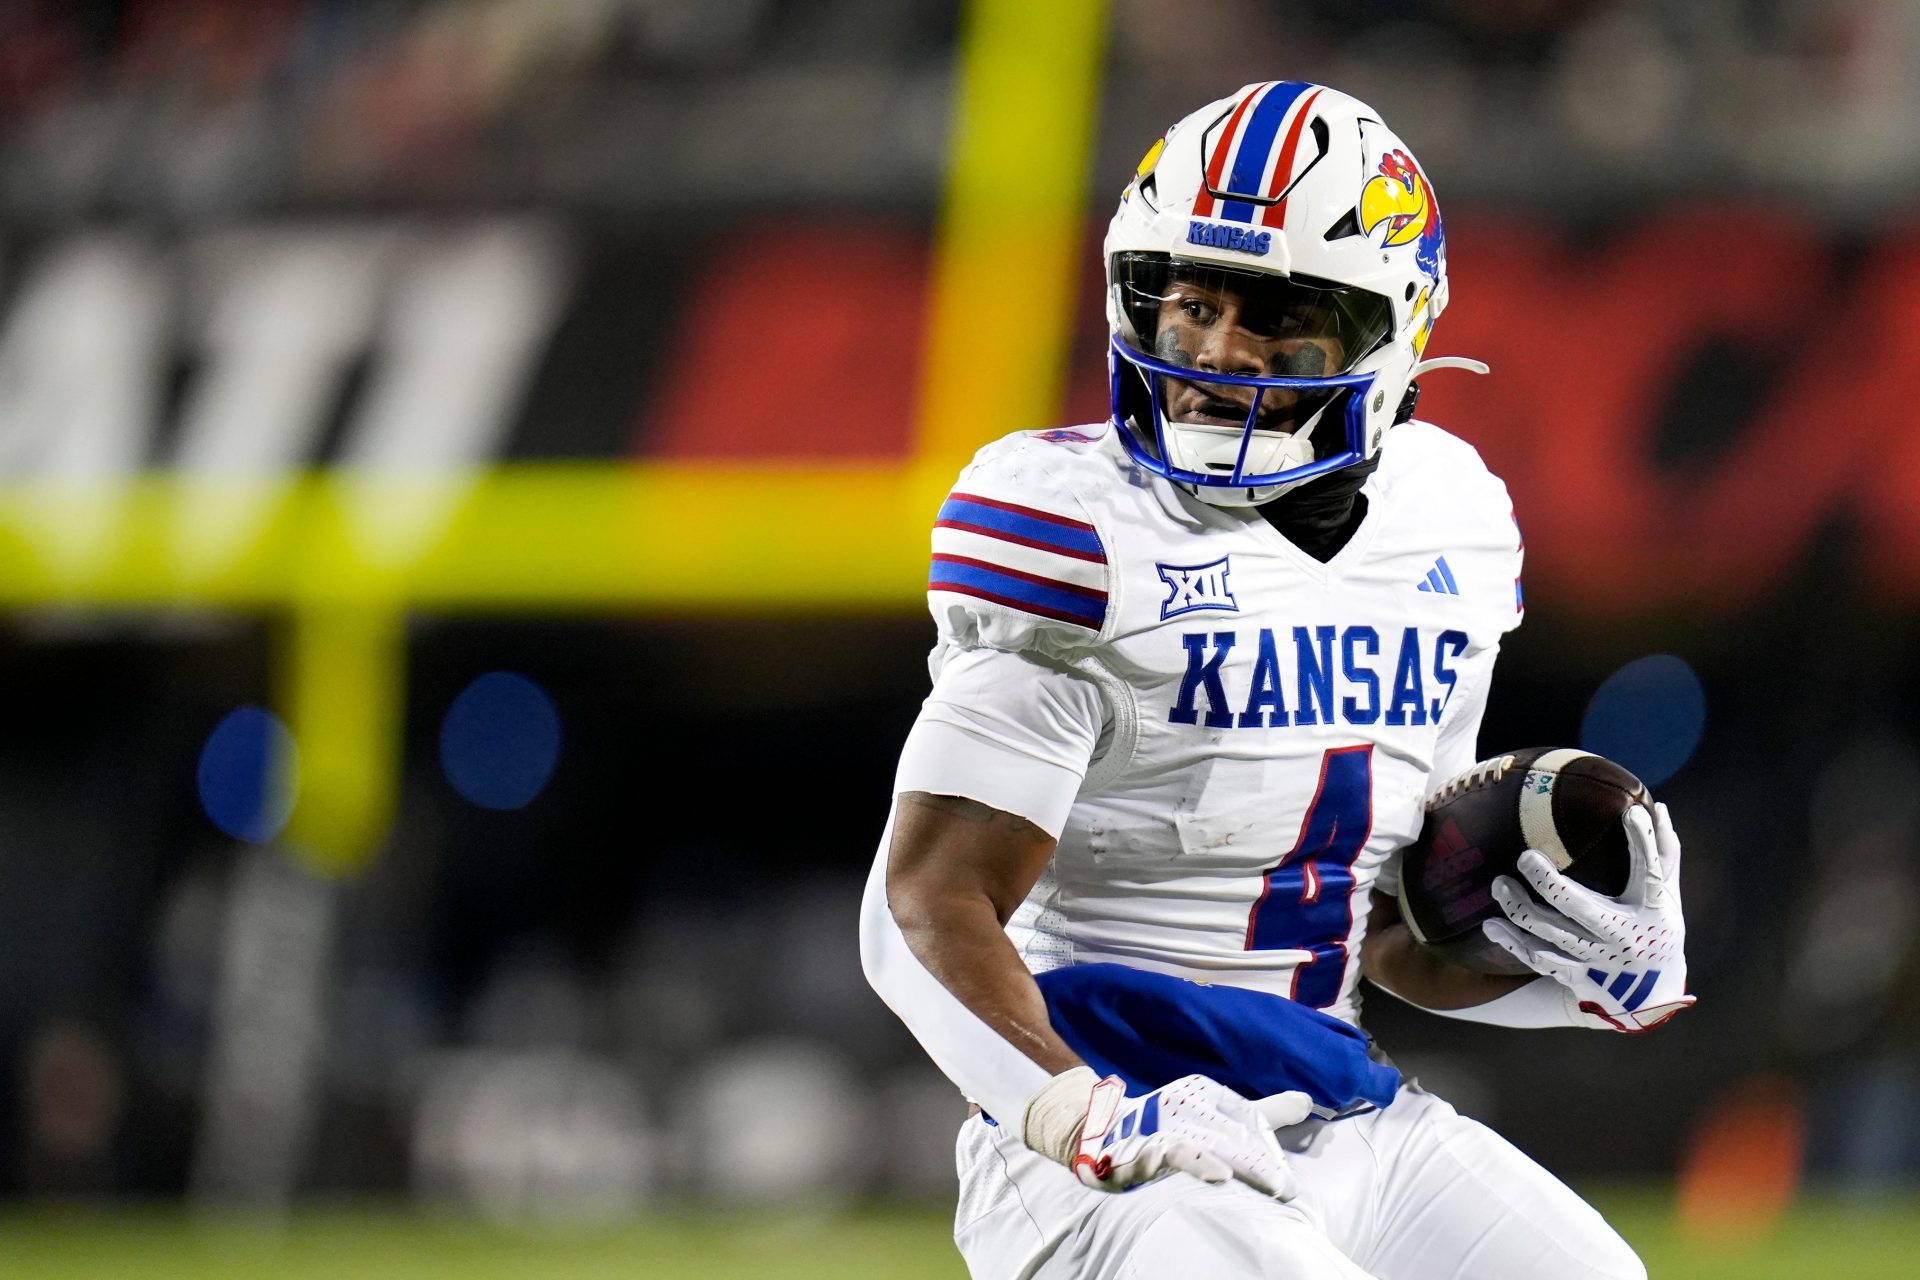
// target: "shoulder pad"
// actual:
[[1018, 562], [1446, 472]]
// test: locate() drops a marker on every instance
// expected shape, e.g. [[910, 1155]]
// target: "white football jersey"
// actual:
[[1274, 723]]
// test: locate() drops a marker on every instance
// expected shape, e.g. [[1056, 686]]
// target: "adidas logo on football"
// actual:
[[1440, 579]]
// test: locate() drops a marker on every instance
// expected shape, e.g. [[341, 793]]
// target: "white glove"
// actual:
[[1194, 1124], [1622, 960]]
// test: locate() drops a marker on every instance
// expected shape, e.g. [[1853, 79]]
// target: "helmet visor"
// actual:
[[1217, 320], [1236, 378]]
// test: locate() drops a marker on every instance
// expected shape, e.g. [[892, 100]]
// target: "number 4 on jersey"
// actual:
[[1306, 902]]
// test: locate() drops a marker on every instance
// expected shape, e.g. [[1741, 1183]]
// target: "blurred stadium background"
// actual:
[[464, 477]]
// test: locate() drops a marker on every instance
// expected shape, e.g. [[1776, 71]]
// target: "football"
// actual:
[[1565, 803]]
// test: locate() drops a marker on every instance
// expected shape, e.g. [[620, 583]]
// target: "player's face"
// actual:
[[1213, 326]]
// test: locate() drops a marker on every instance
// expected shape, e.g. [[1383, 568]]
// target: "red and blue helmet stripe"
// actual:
[[1244, 162]]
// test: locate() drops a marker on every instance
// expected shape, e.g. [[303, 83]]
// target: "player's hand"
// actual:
[[1623, 960], [1193, 1125], [1643, 928]]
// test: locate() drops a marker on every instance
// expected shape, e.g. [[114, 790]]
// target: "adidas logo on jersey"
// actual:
[[1440, 580]]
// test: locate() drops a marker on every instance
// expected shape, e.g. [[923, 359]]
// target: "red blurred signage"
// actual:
[[1589, 347]]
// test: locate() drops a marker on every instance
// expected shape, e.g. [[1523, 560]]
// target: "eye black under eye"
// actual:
[[1305, 361]]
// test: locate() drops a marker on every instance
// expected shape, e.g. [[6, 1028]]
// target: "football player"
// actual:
[[1197, 669]]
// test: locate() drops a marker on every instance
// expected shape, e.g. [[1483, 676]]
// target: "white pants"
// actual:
[[1414, 1192]]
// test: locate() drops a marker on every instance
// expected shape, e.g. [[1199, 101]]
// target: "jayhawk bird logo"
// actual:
[[1398, 197]]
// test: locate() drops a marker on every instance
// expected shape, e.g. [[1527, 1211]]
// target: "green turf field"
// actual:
[[1820, 1239]]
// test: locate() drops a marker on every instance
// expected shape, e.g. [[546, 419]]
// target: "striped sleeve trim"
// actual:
[[1059, 601], [1023, 558], [1022, 526]]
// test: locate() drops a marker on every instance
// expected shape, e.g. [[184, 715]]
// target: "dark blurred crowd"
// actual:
[[197, 108]]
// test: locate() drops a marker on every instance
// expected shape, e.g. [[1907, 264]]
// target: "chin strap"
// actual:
[[1296, 450], [1449, 362], [1412, 398]]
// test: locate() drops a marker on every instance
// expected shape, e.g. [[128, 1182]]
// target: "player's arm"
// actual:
[[1019, 581], [956, 869], [1392, 959], [985, 782], [1602, 963], [1607, 964]]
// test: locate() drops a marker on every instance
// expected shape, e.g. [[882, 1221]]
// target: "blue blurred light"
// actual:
[[500, 741], [1647, 717], [247, 774]]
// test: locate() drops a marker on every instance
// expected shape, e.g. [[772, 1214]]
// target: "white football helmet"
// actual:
[[1273, 273]]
